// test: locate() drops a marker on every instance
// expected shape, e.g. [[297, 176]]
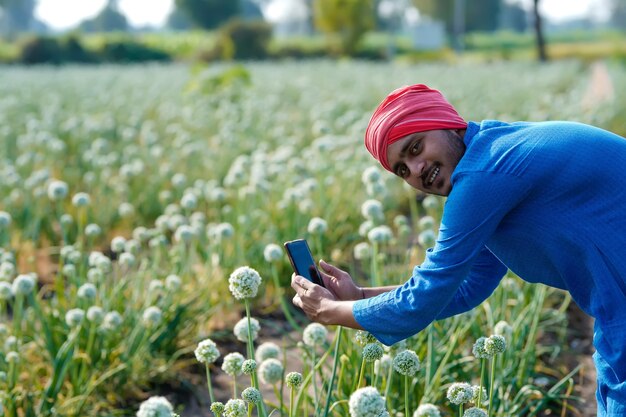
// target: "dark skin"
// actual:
[[425, 161]]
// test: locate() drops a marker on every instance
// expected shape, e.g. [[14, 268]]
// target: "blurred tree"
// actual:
[[109, 19], [349, 19], [541, 43], [17, 15], [178, 20], [209, 14], [618, 13], [480, 15], [513, 17]]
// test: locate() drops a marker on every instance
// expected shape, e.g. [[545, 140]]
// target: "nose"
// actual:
[[416, 166]]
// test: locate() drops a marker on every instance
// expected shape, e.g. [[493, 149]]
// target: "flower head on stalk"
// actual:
[[248, 366], [267, 350], [207, 351], [372, 210], [366, 402], [235, 408], [380, 234], [460, 392], [271, 371], [317, 226], [503, 328], [232, 363], [95, 314], [251, 395], [74, 317], [241, 329], [495, 344], [479, 350], [5, 220], [272, 253], [112, 320], [427, 410], [363, 337], [244, 282], [476, 390], [475, 412], [81, 200], [152, 316], [6, 292], [314, 334], [362, 251], [23, 284], [294, 380], [57, 190], [406, 363], [217, 408], [372, 352], [155, 407]]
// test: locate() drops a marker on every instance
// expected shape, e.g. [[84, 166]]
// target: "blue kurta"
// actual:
[[546, 200]]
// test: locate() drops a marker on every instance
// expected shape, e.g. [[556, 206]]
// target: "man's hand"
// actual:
[[339, 283]]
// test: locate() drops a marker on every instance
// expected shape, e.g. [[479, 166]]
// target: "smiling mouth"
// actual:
[[432, 175]]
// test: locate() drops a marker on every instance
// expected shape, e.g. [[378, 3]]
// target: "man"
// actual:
[[546, 200]]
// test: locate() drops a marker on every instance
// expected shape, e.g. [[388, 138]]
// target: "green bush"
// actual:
[[41, 50], [240, 39], [130, 51]]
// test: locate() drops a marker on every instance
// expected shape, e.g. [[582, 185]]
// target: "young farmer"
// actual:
[[546, 200]]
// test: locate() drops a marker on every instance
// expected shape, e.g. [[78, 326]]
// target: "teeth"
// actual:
[[432, 177]]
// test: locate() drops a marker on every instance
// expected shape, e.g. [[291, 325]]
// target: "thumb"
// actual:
[[329, 269]]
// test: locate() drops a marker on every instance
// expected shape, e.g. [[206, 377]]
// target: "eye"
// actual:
[[415, 148], [402, 171]]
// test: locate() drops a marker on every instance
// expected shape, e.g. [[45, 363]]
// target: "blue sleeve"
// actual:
[[476, 205], [482, 280]]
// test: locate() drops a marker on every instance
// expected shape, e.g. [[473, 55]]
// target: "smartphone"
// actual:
[[302, 260]]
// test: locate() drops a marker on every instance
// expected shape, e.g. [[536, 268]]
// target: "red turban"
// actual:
[[407, 110]]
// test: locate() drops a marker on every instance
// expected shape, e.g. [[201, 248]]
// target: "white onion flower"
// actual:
[[372, 210], [317, 226], [207, 351], [6, 292], [127, 260], [400, 220], [430, 202], [495, 344], [372, 352], [23, 284], [362, 251], [118, 244], [81, 200], [363, 337], [66, 220], [74, 317], [460, 392], [426, 223], [235, 408], [427, 238], [7, 270], [152, 316], [427, 410], [476, 391], [370, 175], [241, 329], [5, 220], [406, 363], [366, 402], [217, 408], [503, 328], [380, 234], [365, 227], [95, 314], [232, 363], [479, 349], [93, 230], [173, 282], [294, 380], [125, 210], [112, 320], [57, 190], [87, 291], [244, 282], [267, 350], [475, 412], [184, 233], [189, 201], [272, 253], [248, 366], [251, 395], [314, 334], [382, 365], [271, 371], [155, 407]]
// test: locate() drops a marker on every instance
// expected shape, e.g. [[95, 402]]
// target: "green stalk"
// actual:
[[314, 377], [250, 344], [388, 386], [249, 410], [406, 395], [17, 317], [292, 395], [491, 389], [430, 357], [482, 376], [361, 372], [461, 410], [208, 382]]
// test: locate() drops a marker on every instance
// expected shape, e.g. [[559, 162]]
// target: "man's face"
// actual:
[[426, 160]]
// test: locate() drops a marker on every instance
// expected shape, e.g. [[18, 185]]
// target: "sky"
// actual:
[[66, 14]]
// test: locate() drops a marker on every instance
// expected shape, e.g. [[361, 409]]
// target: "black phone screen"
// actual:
[[302, 260]]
